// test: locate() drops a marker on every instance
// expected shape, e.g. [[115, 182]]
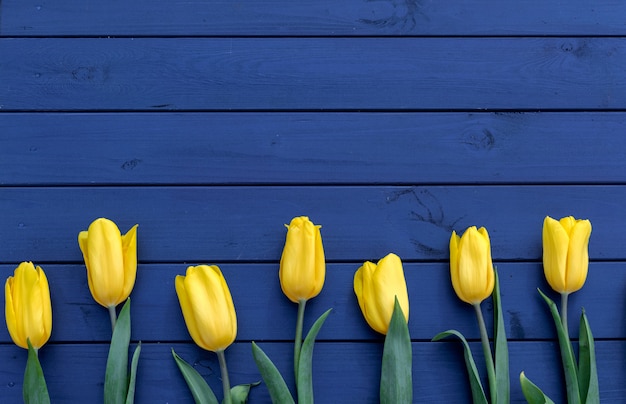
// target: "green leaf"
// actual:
[[304, 382], [587, 371], [200, 390], [396, 381], [533, 394], [501, 349], [567, 354], [34, 390], [271, 376], [130, 395], [478, 394], [116, 377], [239, 394]]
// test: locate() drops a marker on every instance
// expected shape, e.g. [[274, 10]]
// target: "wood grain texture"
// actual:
[[324, 17], [311, 148], [259, 302], [312, 74], [438, 371], [181, 224]]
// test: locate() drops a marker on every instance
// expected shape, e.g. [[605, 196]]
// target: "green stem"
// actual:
[[564, 297], [491, 372], [298, 339], [113, 316], [225, 380]]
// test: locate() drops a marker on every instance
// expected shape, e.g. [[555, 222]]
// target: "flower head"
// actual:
[[207, 307], [376, 287], [302, 265], [28, 310], [565, 253], [471, 268], [111, 261]]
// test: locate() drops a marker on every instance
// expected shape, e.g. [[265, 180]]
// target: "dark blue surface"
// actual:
[[390, 123]]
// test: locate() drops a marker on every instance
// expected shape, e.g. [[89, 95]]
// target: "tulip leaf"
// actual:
[[279, 392], [478, 394], [567, 354], [116, 377], [396, 382], [587, 371], [501, 349], [200, 390], [239, 393], [130, 395], [532, 393], [304, 382], [34, 390]]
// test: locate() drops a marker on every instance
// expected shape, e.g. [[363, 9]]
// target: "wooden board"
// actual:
[[170, 74], [293, 148], [308, 17]]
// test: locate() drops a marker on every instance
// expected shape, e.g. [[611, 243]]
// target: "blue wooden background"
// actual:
[[390, 123]]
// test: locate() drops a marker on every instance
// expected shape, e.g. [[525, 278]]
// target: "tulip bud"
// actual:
[[111, 261], [28, 310], [302, 265], [376, 287], [207, 307], [565, 253], [471, 268]]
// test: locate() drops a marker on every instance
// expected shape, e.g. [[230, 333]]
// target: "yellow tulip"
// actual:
[[28, 310], [207, 307], [471, 268], [565, 253], [302, 265], [376, 286], [111, 261]]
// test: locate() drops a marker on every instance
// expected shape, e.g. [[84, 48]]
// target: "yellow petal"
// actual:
[[555, 247], [129, 251], [578, 256]]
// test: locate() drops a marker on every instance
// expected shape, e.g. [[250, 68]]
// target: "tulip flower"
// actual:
[[474, 280], [565, 265], [28, 314], [376, 286], [111, 261], [302, 265], [209, 313], [471, 268], [207, 307], [28, 310], [565, 253]]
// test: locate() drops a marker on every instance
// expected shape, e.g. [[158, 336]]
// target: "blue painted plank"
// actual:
[[312, 73], [259, 301], [306, 17], [438, 371], [311, 148], [198, 224]]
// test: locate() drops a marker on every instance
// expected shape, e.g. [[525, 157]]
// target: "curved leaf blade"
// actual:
[[304, 383], [35, 390], [200, 390], [587, 370], [567, 354], [501, 357], [396, 381], [116, 376], [532, 393], [130, 395], [478, 394], [279, 392]]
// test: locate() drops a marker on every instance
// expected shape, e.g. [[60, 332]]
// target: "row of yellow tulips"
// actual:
[[206, 302]]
